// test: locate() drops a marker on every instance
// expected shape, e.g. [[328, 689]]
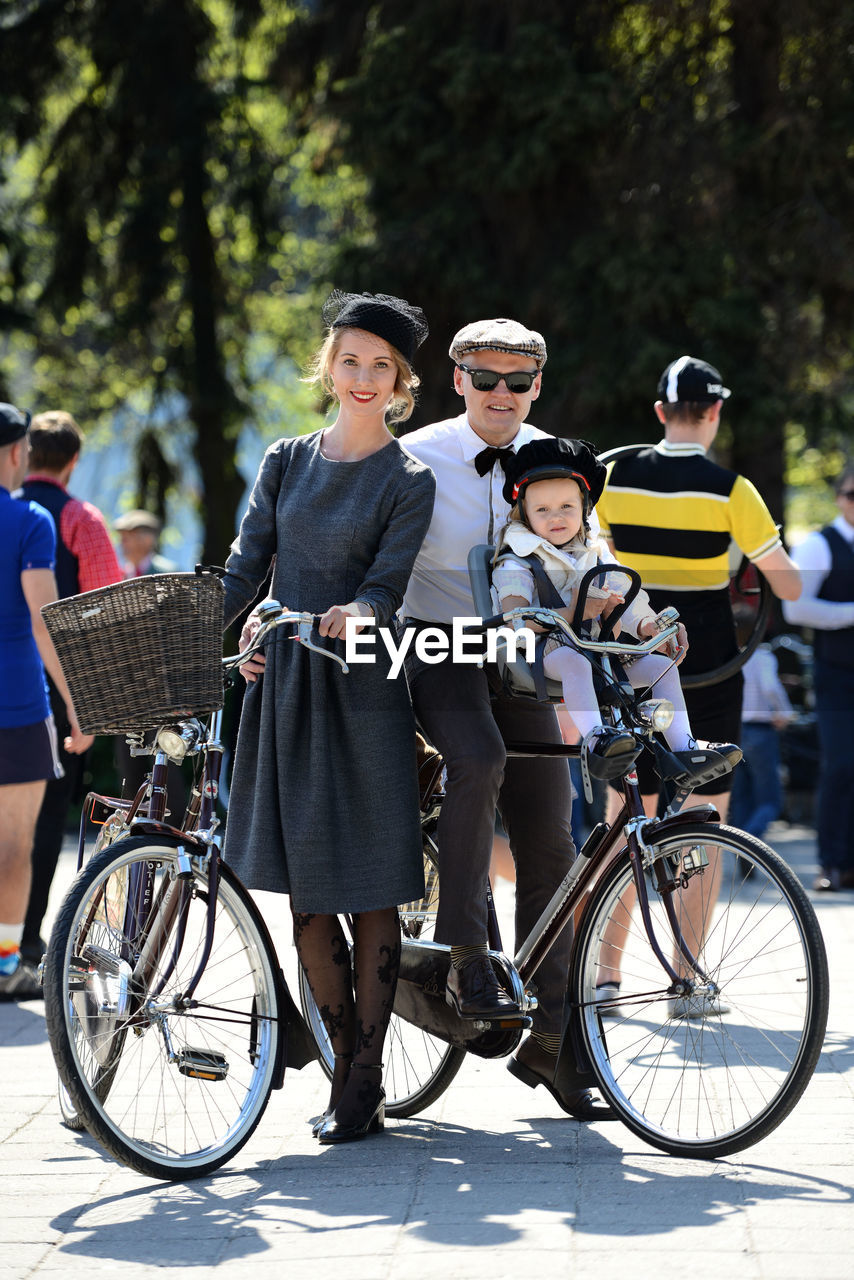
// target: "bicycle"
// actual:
[[752, 976], [168, 1015], [172, 1075]]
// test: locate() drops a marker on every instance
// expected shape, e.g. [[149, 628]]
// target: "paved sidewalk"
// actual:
[[491, 1181]]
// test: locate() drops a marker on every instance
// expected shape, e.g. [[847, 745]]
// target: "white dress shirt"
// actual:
[[813, 558], [469, 509]]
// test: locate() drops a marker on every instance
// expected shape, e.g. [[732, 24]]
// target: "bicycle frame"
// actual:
[[603, 845], [632, 830]]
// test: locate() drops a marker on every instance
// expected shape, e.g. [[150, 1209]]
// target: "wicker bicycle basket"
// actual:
[[141, 653]]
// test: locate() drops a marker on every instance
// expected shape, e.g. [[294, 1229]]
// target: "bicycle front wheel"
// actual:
[[171, 1087], [716, 1068]]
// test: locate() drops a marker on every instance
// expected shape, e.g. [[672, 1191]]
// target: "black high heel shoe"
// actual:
[[371, 1120], [315, 1125]]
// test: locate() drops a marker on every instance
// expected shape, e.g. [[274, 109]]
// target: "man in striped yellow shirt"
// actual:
[[672, 514]]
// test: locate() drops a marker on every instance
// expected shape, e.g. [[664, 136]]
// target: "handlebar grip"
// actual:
[[485, 624]]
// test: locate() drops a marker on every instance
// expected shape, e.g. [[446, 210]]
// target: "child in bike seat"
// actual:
[[543, 552]]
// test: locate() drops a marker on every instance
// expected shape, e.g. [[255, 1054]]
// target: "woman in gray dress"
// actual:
[[324, 799]]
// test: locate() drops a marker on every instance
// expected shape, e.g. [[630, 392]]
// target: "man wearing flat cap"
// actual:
[[498, 368], [28, 754], [138, 533]]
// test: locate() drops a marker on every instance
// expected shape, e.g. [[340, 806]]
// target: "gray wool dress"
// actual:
[[324, 797]]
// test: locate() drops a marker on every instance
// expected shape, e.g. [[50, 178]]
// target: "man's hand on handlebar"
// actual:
[[676, 647]]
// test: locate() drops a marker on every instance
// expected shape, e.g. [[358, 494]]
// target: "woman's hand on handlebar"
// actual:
[[334, 621], [253, 667]]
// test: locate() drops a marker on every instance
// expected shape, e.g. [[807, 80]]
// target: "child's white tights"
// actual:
[[574, 671]]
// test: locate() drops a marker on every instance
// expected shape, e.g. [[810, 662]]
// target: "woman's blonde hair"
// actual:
[[406, 383]]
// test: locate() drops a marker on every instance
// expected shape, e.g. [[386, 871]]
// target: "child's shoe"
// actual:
[[610, 752], [701, 763]]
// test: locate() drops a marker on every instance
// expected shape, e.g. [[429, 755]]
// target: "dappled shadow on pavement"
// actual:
[[445, 1184]]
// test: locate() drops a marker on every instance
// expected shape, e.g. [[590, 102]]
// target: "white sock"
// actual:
[[10, 946], [573, 670]]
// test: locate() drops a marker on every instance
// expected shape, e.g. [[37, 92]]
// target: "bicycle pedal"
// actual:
[[521, 1021], [202, 1064]]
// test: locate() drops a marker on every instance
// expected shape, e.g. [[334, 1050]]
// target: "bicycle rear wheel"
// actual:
[[718, 1070], [172, 1090], [418, 1066]]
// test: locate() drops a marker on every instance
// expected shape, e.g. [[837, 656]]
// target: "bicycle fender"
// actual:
[[685, 817], [296, 1048]]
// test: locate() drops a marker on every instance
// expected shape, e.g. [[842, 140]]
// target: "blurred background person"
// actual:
[[139, 533], [28, 747], [757, 792], [85, 560], [826, 561]]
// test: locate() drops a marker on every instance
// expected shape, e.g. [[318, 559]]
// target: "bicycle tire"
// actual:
[[100, 1080], [418, 1066], [180, 1116], [71, 1117], [721, 1079]]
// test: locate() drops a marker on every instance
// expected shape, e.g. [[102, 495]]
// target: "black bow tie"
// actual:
[[487, 458]]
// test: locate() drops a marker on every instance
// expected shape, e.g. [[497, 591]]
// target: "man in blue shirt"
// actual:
[[28, 756]]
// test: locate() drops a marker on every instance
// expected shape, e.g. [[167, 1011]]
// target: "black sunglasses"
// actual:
[[488, 379], [847, 493]]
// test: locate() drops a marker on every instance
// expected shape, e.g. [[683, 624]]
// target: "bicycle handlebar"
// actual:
[[550, 619], [272, 615]]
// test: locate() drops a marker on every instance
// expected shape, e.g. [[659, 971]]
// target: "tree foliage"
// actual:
[[634, 179], [158, 232], [182, 180]]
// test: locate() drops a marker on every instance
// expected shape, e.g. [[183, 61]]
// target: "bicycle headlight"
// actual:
[[658, 714], [171, 742]]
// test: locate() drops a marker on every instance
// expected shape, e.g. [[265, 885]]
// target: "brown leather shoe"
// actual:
[[474, 991], [532, 1065]]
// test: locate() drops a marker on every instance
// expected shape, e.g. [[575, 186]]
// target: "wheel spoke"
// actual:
[[718, 1080], [136, 1066]]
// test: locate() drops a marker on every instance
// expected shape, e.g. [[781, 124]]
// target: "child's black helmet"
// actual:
[[553, 459]]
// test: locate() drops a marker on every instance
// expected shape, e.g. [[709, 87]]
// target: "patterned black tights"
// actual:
[[355, 1002]]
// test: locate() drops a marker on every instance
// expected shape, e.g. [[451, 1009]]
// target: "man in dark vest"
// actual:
[[826, 562], [85, 559]]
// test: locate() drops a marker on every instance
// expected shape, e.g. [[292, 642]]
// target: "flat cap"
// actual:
[[499, 335], [14, 424], [137, 520]]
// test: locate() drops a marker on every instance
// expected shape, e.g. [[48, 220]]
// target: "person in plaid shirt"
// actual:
[[85, 559]]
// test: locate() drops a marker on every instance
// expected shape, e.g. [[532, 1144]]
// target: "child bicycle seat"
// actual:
[[517, 676]]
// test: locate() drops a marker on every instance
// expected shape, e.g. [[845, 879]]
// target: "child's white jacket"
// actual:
[[565, 567]]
